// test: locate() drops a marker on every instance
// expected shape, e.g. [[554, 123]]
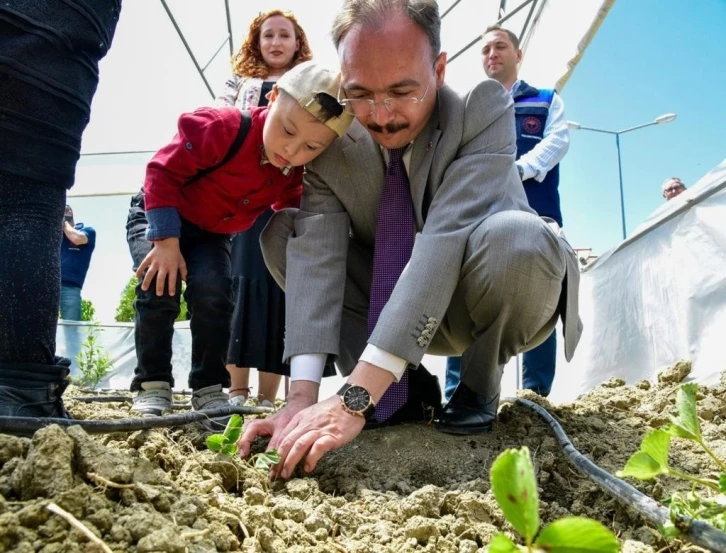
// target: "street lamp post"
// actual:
[[666, 118]]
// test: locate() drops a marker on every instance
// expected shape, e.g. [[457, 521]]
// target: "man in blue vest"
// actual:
[[542, 142], [76, 248]]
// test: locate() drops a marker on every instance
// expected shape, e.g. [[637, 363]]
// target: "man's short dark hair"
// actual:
[[372, 14], [512, 37]]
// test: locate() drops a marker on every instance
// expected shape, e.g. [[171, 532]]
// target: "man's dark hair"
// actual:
[[372, 14], [514, 38]]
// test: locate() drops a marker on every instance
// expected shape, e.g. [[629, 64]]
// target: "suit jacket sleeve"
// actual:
[[480, 180]]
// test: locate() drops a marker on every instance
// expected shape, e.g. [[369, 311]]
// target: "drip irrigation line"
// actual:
[[697, 532], [28, 425], [177, 405]]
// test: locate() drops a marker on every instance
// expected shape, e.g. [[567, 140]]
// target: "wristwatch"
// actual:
[[356, 400]]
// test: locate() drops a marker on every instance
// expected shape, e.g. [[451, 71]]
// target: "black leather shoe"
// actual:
[[423, 404], [468, 413]]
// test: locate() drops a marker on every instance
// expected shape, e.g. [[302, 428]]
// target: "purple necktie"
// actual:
[[394, 243]]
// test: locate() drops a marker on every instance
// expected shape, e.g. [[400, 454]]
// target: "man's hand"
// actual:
[[164, 261], [303, 394], [313, 432]]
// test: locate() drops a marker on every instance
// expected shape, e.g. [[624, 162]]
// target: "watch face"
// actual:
[[356, 398]]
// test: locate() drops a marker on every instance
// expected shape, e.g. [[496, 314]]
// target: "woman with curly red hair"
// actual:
[[275, 43]]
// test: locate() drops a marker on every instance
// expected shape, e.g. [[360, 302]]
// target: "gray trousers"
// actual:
[[506, 302]]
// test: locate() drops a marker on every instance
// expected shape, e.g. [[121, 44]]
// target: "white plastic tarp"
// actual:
[[658, 297]]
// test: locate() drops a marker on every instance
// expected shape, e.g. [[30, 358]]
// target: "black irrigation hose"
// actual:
[[177, 405], [699, 533], [28, 425]]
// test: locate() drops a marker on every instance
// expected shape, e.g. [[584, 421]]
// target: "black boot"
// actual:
[[423, 403], [33, 389], [468, 413]]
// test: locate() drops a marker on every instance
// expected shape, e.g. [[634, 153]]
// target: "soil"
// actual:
[[398, 489]]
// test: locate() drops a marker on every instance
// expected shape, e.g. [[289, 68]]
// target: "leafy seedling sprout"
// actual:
[[515, 490], [226, 444]]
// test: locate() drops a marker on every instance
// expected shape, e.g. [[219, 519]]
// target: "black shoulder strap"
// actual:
[[244, 127]]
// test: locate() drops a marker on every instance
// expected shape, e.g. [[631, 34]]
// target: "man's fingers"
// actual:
[[148, 278], [183, 270], [160, 282], [298, 450], [253, 430], [321, 446]]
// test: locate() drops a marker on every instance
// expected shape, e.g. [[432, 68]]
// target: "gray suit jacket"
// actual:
[[461, 171]]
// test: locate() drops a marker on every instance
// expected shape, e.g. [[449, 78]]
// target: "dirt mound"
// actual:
[[405, 488]]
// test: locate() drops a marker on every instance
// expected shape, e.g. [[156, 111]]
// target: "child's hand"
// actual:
[[163, 261]]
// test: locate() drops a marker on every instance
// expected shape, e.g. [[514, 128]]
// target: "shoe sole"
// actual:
[[464, 430]]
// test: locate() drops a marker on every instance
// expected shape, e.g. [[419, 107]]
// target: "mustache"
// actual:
[[388, 127]]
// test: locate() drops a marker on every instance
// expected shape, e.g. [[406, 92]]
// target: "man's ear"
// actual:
[[440, 69], [519, 55]]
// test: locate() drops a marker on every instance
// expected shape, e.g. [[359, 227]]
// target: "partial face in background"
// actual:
[[499, 57], [292, 136], [392, 62], [673, 187], [278, 43], [68, 216]]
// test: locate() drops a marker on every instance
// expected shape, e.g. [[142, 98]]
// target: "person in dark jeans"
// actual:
[[209, 302], [49, 54]]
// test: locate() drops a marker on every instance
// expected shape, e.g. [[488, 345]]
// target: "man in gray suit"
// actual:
[[487, 277]]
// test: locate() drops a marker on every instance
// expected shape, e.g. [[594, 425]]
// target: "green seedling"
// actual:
[[515, 490], [651, 461], [94, 361], [226, 444]]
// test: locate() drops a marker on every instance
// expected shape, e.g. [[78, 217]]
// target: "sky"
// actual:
[[649, 57]]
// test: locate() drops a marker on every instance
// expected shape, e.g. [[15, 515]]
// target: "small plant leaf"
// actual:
[[229, 449], [652, 459], [234, 429], [722, 482], [515, 489], [215, 442], [686, 425], [264, 461], [501, 544], [577, 535]]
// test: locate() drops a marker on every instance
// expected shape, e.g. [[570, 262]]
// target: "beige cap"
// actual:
[[305, 81]]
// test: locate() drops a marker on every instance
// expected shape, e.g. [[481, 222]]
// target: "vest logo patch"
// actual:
[[531, 125]]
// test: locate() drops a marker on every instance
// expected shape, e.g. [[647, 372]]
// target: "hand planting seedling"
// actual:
[[226, 444], [515, 490], [652, 460]]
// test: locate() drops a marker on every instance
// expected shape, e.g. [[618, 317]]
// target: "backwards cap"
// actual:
[[305, 81]]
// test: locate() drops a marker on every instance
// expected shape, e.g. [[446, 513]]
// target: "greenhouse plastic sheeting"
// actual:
[[658, 297]]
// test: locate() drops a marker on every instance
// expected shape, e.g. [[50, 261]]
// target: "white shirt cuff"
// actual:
[[385, 360], [308, 366]]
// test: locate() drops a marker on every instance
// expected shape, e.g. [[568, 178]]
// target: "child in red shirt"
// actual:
[[179, 226]]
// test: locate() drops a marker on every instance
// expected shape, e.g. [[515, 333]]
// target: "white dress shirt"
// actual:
[[552, 148]]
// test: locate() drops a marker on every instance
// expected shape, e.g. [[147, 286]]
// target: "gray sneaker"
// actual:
[[211, 397], [154, 399]]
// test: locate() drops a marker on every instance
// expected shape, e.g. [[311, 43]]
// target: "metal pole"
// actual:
[[186, 45], [229, 28], [620, 173]]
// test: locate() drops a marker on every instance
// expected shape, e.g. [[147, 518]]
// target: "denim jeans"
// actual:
[[209, 301], [538, 366], [70, 303], [538, 369]]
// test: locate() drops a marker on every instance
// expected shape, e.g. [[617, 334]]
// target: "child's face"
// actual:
[[278, 43], [292, 136]]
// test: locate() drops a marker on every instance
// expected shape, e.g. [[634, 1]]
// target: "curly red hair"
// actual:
[[248, 61]]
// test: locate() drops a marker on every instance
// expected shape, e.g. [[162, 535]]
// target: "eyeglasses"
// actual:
[[673, 188], [363, 107]]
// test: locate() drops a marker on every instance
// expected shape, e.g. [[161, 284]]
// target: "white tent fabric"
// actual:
[[148, 79], [658, 297]]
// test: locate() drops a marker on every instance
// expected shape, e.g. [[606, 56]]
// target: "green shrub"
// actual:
[[88, 312], [125, 312]]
